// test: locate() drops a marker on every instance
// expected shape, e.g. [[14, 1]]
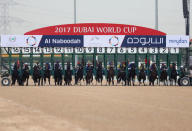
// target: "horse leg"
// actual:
[[144, 82], [49, 80], [45, 80], [27, 81], [38, 80], [42, 81], [55, 81]]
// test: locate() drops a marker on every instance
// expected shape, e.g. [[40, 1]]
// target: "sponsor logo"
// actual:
[[114, 41], [178, 41], [12, 38], [145, 41], [31, 41]]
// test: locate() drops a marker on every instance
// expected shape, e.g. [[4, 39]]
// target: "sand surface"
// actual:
[[95, 108]]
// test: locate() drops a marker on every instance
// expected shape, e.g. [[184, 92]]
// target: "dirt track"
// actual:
[[95, 109]]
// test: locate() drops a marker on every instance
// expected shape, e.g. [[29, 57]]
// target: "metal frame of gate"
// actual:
[[42, 53]]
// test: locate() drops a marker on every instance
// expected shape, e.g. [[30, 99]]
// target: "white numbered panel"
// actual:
[[47, 50], [142, 50], [163, 50], [111, 50], [153, 50], [26, 50], [121, 50], [37, 50], [132, 50], [79, 50], [68, 50], [101, 50], [174, 50], [58, 50], [89, 50], [15, 50]]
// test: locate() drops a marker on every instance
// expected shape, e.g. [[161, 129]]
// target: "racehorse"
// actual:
[[25, 75], [121, 76], [79, 74], [131, 76], [163, 77], [152, 75], [58, 74], [47, 73], [15, 74], [110, 75], [99, 74], [89, 76], [68, 75], [36, 74], [142, 76], [173, 75]]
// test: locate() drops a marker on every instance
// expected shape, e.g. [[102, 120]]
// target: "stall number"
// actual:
[[153, 50], [58, 50], [47, 50], [163, 50], [68, 50], [100, 50], [142, 50], [37, 50], [89, 50], [111, 50], [121, 50], [26, 50], [79, 50], [132, 50], [15, 50], [174, 50]]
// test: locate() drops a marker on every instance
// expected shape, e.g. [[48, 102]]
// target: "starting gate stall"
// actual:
[[68, 55], [174, 57], [142, 57], [111, 58], [80, 56], [100, 56], [90, 57]]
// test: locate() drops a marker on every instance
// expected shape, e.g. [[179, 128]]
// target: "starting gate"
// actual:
[[91, 55]]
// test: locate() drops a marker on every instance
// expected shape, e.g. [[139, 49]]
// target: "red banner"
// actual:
[[94, 29]]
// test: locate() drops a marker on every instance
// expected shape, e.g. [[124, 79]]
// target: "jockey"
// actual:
[[15, 66], [48, 65], [142, 67], [88, 67], [57, 65], [153, 67], [132, 65], [38, 66], [118, 67], [26, 66], [163, 67]]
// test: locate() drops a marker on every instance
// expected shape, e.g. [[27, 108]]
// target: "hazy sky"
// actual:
[[41, 13]]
